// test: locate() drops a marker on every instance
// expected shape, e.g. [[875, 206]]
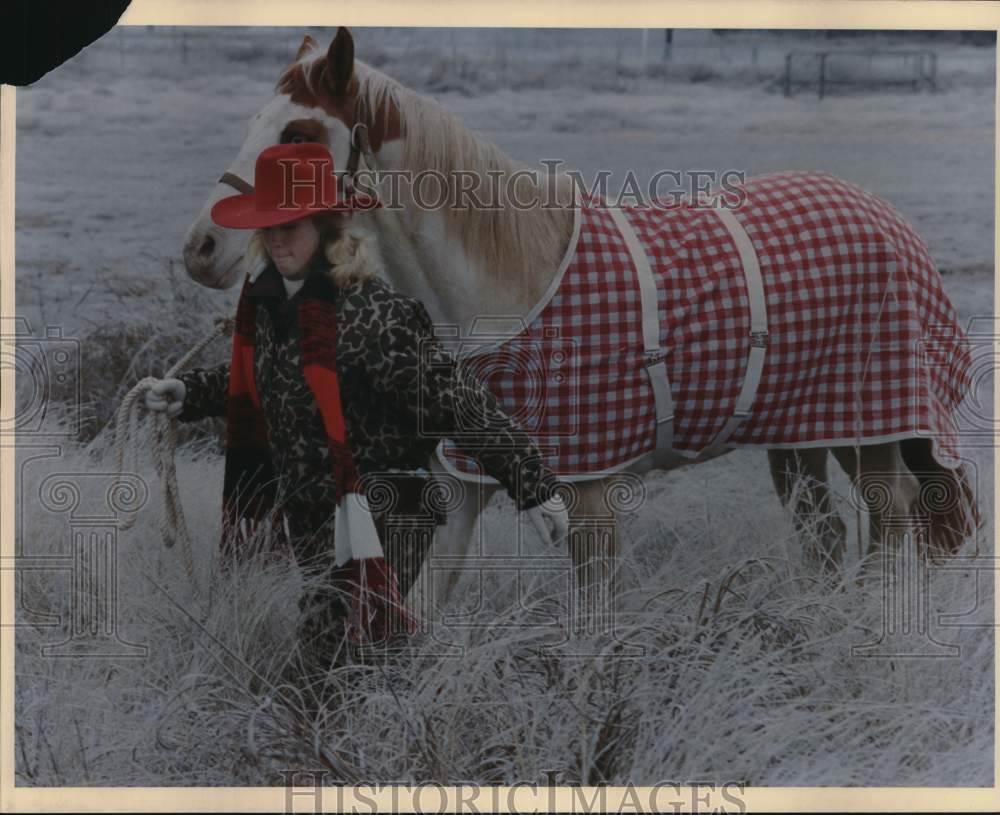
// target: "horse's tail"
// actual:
[[946, 500]]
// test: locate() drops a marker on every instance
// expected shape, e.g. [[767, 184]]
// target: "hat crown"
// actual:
[[292, 181], [289, 177]]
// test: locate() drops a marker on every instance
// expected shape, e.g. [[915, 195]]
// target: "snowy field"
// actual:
[[748, 673]]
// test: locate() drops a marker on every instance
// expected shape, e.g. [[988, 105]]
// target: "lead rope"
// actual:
[[126, 447]]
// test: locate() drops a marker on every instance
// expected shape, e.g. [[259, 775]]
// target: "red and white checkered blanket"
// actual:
[[864, 345]]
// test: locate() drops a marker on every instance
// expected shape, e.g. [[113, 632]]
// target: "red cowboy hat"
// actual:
[[292, 181]]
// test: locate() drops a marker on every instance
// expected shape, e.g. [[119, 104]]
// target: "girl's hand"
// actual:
[[166, 395], [551, 519]]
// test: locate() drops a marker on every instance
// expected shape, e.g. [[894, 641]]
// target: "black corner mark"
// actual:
[[36, 36]]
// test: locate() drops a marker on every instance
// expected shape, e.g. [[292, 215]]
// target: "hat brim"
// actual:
[[240, 212]]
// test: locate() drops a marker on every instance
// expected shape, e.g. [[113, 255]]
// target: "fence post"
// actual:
[[822, 74], [788, 74]]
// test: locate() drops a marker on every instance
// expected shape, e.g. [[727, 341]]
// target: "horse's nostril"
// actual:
[[207, 247]]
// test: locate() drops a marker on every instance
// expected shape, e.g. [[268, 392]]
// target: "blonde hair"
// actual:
[[350, 251]]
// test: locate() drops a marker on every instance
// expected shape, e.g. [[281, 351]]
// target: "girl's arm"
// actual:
[[207, 392], [446, 400]]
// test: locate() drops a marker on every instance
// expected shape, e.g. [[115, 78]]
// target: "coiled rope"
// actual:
[[126, 448]]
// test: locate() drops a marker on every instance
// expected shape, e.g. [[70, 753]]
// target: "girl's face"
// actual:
[[292, 246]]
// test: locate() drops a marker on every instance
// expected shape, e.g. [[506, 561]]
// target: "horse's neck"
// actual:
[[455, 281]]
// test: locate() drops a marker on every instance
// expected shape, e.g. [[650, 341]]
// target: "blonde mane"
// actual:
[[515, 244]]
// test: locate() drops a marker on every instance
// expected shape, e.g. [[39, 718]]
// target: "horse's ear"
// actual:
[[339, 63], [308, 44]]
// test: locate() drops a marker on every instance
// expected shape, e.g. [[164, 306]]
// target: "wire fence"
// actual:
[[485, 59]]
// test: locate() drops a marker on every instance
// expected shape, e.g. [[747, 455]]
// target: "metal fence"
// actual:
[[824, 70]]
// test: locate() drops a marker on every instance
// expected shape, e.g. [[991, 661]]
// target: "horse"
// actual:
[[500, 262]]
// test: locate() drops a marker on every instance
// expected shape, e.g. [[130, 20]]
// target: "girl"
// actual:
[[335, 376]]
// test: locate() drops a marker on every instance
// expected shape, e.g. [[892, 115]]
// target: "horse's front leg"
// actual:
[[442, 568], [803, 484]]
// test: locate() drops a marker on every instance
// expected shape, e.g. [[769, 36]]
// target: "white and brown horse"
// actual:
[[464, 264]]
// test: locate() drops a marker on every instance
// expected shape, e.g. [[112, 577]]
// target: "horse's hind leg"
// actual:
[[800, 478], [885, 484], [947, 504]]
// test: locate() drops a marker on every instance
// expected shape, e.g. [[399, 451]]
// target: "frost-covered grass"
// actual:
[[747, 671], [731, 662]]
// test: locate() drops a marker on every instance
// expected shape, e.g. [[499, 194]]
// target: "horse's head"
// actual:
[[315, 100]]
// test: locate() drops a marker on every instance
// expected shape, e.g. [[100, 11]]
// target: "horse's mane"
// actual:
[[511, 241]]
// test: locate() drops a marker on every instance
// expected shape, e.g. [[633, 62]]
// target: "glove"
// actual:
[[551, 519], [166, 395]]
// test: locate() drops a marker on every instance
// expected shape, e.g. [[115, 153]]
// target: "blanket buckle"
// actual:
[[654, 357]]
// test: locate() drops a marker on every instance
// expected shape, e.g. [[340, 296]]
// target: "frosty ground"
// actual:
[[747, 674]]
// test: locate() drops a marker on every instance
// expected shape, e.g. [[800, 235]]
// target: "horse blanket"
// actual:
[[862, 345]]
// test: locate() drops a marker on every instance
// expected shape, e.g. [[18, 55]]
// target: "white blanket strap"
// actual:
[[758, 326], [656, 364]]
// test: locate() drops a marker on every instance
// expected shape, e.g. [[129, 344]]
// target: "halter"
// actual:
[[360, 146]]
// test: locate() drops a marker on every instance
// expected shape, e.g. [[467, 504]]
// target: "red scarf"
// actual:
[[250, 484]]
